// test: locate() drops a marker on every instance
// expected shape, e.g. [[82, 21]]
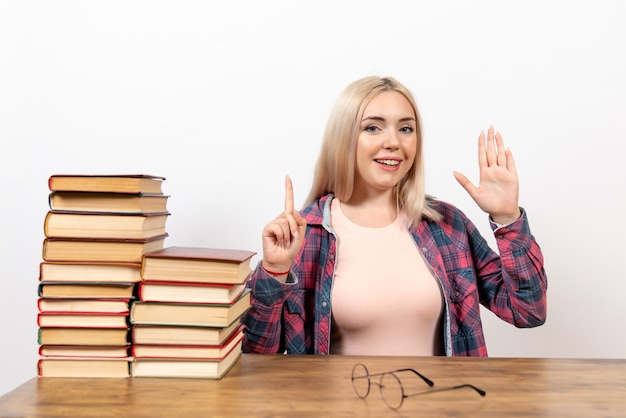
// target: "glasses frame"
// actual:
[[394, 374]]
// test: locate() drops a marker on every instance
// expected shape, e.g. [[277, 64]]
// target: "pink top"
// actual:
[[385, 299]]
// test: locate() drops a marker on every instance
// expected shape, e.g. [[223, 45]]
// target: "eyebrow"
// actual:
[[380, 118]]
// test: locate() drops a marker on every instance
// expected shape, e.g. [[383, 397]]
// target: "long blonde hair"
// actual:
[[336, 165]]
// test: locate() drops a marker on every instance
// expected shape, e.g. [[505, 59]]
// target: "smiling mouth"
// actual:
[[390, 163]]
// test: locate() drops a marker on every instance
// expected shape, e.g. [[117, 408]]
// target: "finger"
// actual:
[[482, 153], [501, 150], [492, 158], [465, 183], [510, 161], [288, 195]]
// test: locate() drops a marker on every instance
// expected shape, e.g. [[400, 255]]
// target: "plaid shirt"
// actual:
[[295, 317]]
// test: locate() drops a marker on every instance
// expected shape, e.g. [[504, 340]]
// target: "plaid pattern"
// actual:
[[295, 317]]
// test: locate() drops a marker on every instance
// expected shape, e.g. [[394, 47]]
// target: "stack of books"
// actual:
[[185, 322], [96, 232]]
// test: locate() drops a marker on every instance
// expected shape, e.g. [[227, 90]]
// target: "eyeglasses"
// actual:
[[390, 385]]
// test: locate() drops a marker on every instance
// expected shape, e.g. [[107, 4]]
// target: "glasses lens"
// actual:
[[391, 390], [361, 380]]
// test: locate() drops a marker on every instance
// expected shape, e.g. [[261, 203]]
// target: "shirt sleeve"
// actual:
[[263, 321], [514, 285]]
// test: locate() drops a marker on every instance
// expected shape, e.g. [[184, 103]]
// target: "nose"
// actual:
[[391, 140]]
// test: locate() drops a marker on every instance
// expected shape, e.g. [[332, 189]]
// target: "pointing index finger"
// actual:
[[288, 195]]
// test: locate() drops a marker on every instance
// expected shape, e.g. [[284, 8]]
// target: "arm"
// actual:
[[272, 281]]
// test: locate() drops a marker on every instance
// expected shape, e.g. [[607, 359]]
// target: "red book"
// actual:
[[188, 351]]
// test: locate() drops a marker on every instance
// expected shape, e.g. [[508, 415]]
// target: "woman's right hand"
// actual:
[[283, 237]]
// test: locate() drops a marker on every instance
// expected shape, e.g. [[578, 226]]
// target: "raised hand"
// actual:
[[283, 236], [498, 190]]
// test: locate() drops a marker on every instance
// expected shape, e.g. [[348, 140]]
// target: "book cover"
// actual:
[[181, 335], [83, 336], [185, 292], [104, 225], [83, 320], [197, 264], [209, 315], [85, 367], [118, 183], [188, 351], [85, 351], [64, 305], [185, 368], [101, 249], [107, 202], [86, 290], [89, 271]]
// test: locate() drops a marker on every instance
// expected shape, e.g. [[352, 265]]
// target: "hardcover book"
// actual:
[[181, 335], [112, 250], [83, 336], [188, 351], [197, 264], [208, 315], [86, 367], [89, 271], [184, 292], [117, 183], [107, 202], [104, 225], [82, 320], [85, 351], [86, 290], [185, 368], [63, 305]]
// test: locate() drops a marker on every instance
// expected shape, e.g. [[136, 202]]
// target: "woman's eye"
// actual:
[[371, 128], [406, 129]]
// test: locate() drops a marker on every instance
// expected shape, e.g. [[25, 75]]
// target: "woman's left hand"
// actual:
[[498, 190]]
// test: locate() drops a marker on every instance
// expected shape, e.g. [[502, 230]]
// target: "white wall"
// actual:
[[225, 98]]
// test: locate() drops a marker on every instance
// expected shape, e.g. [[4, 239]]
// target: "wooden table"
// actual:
[[320, 386]]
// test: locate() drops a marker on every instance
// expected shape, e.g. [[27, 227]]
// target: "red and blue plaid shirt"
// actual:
[[295, 317]]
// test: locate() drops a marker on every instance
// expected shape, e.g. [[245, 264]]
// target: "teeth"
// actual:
[[389, 162]]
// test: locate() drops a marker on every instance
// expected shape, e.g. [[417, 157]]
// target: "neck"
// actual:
[[371, 211]]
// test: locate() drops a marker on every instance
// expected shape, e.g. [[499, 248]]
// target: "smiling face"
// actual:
[[386, 145]]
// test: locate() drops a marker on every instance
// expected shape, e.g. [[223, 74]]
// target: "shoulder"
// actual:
[[452, 218], [314, 212]]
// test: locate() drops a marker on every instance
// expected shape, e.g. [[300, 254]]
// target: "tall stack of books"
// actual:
[[96, 232], [186, 321]]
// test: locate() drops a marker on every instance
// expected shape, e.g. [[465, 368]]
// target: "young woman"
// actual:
[[374, 266]]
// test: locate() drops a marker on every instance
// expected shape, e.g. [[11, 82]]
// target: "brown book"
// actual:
[[84, 351], [86, 290], [112, 183], [89, 271], [84, 367], [187, 351], [104, 225], [185, 368], [197, 264], [180, 335], [63, 305], [82, 320], [107, 202], [83, 249], [83, 336], [208, 315], [185, 292]]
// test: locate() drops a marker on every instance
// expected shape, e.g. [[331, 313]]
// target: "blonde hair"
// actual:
[[336, 165]]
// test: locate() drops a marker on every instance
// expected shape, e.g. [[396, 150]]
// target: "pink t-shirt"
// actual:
[[385, 299]]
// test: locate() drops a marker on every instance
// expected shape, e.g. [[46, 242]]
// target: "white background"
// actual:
[[225, 98]]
